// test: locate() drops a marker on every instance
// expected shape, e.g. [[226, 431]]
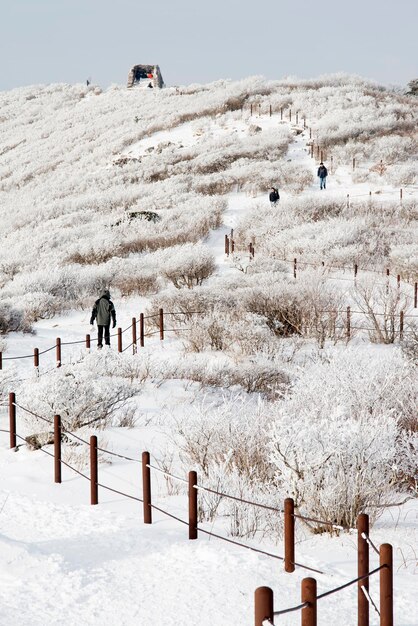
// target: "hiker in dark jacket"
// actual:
[[274, 196], [322, 173], [103, 311]]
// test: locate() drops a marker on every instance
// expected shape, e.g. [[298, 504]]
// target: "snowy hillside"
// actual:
[[288, 364]]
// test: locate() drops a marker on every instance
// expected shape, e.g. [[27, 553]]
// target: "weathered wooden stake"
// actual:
[[36, 357], [348, 323], [263, 605], [119, 339], [134, 339], [1, 360], [94, 487], [161, 323], [415, 295], [386, 585], [12, 419], [57, 448], [270, 110], [141, 330], [401, 316], [294, 267], [146, 488], [289, 535], [58, 351], [354, 163], [309, 595], [88, 342], [355, 270], [192, 505], [362, 569]]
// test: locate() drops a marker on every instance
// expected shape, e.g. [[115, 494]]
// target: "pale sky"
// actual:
[[47, 41]]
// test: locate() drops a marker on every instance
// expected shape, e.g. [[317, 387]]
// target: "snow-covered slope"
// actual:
[[135, 191]]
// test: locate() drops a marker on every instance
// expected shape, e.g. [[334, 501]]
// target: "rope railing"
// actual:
[[318, 521], [370, 542], [369, 599], [226, 495], [351, 582]]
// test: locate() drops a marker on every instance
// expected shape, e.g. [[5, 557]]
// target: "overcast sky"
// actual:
[[46, 41]]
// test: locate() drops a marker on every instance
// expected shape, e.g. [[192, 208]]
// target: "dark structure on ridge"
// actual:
[[145, 76]]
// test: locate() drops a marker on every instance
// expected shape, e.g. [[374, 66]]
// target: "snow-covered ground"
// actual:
[[63, 561]]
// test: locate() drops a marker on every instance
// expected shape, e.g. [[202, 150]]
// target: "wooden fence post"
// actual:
[[401, 316], [1, 360], [289, 535], [290, 115], [348, 201], [58, 351], [146, 488], [94, 487], [362, 569], [36, 357], [294, 267], [57, 448], [226, 245], [309, 595], [297, 118], [354, 164], [134, 339], [88, 342], [141, 330], [415, 295], [348, 323], [161, 323], [355, 269], [192, 505], [119, 339], [270, 110], [263, 605], [400, 194], [12, 419], [386, 585]]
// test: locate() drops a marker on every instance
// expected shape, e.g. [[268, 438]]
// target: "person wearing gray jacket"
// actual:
[[103, 311]]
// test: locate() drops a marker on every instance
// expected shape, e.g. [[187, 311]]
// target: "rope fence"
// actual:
[[309, 594]]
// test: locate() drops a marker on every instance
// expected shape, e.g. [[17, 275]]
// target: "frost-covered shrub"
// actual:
[[381, 305], [309, 307], [336, 440], [258, 374], [87, 393], [186, 266], [12, 320]]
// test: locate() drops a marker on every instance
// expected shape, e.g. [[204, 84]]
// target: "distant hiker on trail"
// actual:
[[103, 311], [322, 173], [274, 196]]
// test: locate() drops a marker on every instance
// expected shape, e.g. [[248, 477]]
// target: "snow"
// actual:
[[63, 561]]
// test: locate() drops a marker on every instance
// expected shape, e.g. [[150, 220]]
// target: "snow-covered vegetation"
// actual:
[[274, 379]]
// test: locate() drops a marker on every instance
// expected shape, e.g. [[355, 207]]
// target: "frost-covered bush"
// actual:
[[381, 305], [12, 319], [337, 443], [227, 444], [87, 393], [309, 307], [185, 266], [258, 374]]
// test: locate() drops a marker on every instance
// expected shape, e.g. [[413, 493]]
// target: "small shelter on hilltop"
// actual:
[[145, 76]]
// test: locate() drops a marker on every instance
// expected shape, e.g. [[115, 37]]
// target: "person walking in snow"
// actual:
[[274, 196], [322, 173], [103, 311]]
